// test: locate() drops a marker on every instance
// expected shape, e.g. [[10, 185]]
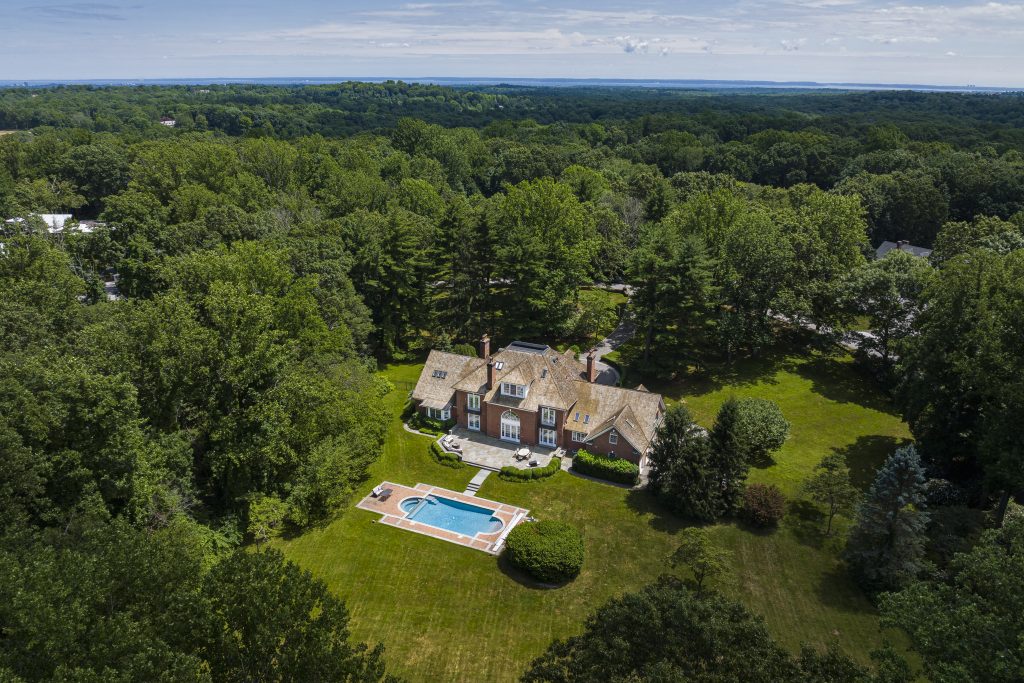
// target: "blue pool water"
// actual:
[[453, 515]]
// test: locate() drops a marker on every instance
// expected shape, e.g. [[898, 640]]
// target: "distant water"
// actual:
[[527, 82]]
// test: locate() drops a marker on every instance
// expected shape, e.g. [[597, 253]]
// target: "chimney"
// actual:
[[485, 347], [901, 243], [592, 365], [490, 373]]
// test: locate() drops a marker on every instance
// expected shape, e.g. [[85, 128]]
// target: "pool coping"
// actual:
[[392, 515]]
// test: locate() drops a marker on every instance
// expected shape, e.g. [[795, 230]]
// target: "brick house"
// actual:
[[533, 395]]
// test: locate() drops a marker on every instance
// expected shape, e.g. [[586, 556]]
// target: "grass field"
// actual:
[[450, 613]]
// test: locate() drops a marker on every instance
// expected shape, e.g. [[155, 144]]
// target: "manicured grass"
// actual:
[[450, 613]]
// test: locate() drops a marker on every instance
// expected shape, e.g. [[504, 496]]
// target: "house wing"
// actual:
[[435, 387]]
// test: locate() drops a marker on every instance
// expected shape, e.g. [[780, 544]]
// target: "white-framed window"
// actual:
[[473, 401], [516, 390], [510, 426], [547, 416], [579, 437], [439, 413], [613, 438], [547, 437], [473, 421]]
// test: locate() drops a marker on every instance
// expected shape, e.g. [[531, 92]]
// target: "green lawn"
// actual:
[[450, 613]]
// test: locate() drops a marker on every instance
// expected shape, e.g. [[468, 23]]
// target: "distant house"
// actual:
[[56, 223], [885, 247], [168, 121], [534, 395]]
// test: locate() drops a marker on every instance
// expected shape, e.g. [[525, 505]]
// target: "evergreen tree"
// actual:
[[886, 547], [690, 474]]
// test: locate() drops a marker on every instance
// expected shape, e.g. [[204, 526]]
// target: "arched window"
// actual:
[[510, 426]]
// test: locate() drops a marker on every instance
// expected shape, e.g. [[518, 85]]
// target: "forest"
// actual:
[[275, 246]]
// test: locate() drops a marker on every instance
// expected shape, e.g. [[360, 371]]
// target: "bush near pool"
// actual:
[[601, 466], [529, 474], [550, 551]]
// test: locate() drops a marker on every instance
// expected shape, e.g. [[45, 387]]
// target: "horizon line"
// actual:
[[500, 80]]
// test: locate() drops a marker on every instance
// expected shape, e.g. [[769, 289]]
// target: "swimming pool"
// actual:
[[452, 515]]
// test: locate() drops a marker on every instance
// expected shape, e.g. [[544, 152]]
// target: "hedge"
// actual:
[[429, 425], [443, 457], [550, 551], [601, 466], [531, 473]]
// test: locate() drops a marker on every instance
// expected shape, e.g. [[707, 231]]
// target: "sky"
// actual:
[[860, 41]]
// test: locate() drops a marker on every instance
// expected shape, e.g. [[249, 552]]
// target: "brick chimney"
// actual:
[[485, 347], [592, 365], [490, 373]]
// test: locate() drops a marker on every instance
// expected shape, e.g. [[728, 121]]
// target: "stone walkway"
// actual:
[[476, 482]]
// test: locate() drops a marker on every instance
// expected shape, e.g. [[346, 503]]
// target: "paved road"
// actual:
[[606, 374]]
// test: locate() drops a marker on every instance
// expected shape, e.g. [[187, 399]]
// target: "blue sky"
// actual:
[[956, 42]]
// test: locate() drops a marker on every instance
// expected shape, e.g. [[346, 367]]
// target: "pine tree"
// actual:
[[885, 550], [690, 473]]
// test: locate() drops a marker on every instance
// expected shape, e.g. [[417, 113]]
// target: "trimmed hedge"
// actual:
[[601, 466], [443, 457], [549, 551], [531, 473]]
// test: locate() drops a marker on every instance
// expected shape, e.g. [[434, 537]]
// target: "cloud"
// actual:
[[630, 44], [950, 53], [792, 45], [893, 40], [87, 11]]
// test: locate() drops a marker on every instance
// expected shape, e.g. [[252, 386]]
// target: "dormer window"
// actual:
[[513, 390]]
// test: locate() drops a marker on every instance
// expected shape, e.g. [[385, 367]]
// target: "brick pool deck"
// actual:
[[392, 515]]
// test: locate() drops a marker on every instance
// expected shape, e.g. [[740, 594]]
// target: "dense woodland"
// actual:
[[277, 243]]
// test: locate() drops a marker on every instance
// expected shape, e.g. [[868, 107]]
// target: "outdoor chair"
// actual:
[[385, 494], [377, 490]]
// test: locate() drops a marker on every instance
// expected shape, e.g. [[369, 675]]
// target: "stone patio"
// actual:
[[489, 453]]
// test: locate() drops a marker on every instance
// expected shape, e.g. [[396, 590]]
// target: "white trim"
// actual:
[[510, 427], [553, 441], [579, 437], [469, 402], [544, 410], [470, 419], [513, 390], [613, 437]]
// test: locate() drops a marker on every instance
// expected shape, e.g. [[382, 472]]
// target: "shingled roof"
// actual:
[[553, 379]]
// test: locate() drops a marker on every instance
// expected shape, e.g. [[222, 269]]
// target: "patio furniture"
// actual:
[[523, 451], [520, 457], [534, 463], [377, 490], [385, 494]]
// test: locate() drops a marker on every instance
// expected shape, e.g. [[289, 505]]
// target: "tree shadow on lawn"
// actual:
[[837, 590], [866, 455], [841, 382], [806, 521], [660, 516]]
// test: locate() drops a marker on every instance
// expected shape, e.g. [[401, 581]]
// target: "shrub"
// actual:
[[549, 551], [429, 425], [443, 457], [531, 473], [763, 504], [604, 467]]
